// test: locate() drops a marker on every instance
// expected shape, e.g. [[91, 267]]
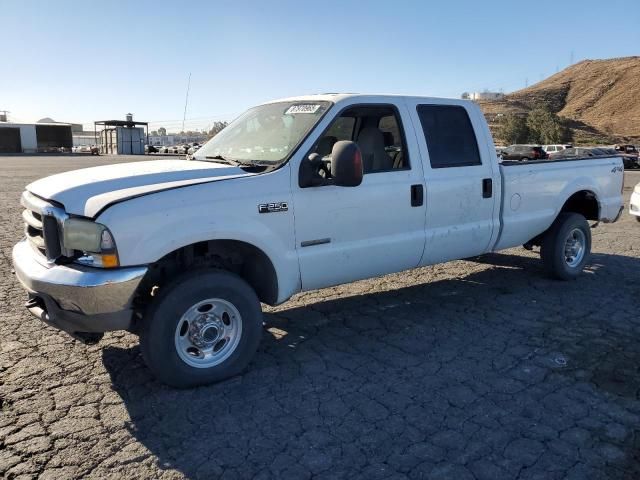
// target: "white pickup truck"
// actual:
[[294, 195]]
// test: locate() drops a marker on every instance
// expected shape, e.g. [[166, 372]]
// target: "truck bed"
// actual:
[[530, 193]]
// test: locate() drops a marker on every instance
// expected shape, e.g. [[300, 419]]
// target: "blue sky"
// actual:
[[81, 61]]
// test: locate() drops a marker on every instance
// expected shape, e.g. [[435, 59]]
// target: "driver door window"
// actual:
[[378, 132]]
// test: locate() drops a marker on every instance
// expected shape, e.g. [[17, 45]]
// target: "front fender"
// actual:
[[149, 227]]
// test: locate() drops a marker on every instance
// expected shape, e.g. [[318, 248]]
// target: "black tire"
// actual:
[[638, 219], [157, 336], [524, 159], [554, 241]]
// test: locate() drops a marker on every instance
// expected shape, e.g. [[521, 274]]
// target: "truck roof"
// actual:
[[368, 97]]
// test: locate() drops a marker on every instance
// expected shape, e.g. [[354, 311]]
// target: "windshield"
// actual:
[[264, 135]]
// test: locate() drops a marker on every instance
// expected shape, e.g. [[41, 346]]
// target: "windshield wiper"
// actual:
[[236, 163], [221, 159]]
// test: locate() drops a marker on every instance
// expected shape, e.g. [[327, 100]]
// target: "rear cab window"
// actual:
[[451, 140]]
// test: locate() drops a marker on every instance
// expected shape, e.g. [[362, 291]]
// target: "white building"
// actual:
[[486, 95], [84, 139]]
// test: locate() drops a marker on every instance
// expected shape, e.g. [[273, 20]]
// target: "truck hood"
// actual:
[[88, 191]]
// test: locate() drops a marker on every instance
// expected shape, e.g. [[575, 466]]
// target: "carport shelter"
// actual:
[[34, 137]]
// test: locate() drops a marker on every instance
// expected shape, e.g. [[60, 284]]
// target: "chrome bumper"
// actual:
[[75, 298]]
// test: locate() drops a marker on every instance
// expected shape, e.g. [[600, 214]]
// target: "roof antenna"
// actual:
[[186, 100]]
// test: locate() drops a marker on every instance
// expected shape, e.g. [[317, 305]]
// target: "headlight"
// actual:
[[93, 240]]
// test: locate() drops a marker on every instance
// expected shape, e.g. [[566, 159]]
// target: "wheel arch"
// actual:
[[246, 260], [585, 202]]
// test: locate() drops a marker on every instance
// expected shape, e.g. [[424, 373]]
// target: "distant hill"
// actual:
[[601, 98]]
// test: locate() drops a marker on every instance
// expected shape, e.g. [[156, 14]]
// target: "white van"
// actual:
[[556, 148]]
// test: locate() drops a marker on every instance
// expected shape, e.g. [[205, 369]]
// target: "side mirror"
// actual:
[[346, 164]]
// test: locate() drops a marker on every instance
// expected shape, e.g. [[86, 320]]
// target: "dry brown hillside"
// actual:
[[600, 97]]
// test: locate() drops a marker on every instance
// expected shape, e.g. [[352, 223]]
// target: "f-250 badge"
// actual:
[[273, 207]]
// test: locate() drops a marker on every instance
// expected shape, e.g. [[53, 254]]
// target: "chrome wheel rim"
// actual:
[[574, 247], [208, 333]]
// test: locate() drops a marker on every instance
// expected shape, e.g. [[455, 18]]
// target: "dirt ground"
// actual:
[[482, 369]]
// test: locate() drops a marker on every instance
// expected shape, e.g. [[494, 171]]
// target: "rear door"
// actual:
[[462, 181]]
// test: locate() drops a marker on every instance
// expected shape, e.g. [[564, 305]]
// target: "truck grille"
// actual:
[[43, 225]]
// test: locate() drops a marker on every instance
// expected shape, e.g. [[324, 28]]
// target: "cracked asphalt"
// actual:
[[479, 369]]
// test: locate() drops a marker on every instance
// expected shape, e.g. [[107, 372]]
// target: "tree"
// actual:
[[465, 96], [546, 127], [513, 129], [154, 133], [217, 128], [162, 131]]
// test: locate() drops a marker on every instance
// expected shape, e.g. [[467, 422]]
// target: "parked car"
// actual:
[[524, 153], [634, 204], [629, 161], [182, 253], [163, 149], [81, 149], [628, 149], [95, 150], [151, 149], [193, 148], [577, 152]]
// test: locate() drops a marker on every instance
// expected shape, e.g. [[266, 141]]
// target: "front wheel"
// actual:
[[566, 246], [202, 328]]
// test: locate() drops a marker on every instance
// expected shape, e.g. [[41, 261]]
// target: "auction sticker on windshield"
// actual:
[[303, 108]]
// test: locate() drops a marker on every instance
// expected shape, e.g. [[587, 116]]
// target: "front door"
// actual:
[[349, 233]]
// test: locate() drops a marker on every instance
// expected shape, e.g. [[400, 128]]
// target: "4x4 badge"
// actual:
[[273, 207]]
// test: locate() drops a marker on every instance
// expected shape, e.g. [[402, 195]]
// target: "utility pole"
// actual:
[[571, 58], [186, 100], [526, 82]]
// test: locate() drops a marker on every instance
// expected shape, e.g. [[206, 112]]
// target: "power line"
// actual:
[[186, 100]]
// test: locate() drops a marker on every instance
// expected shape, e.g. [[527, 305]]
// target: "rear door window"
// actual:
[[449, 134]]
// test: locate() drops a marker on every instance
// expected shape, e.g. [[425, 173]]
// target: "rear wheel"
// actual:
[[524, 159], [202, 328], [566, 246]]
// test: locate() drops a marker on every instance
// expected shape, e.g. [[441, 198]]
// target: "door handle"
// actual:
[[487, 188], [417, 195]]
